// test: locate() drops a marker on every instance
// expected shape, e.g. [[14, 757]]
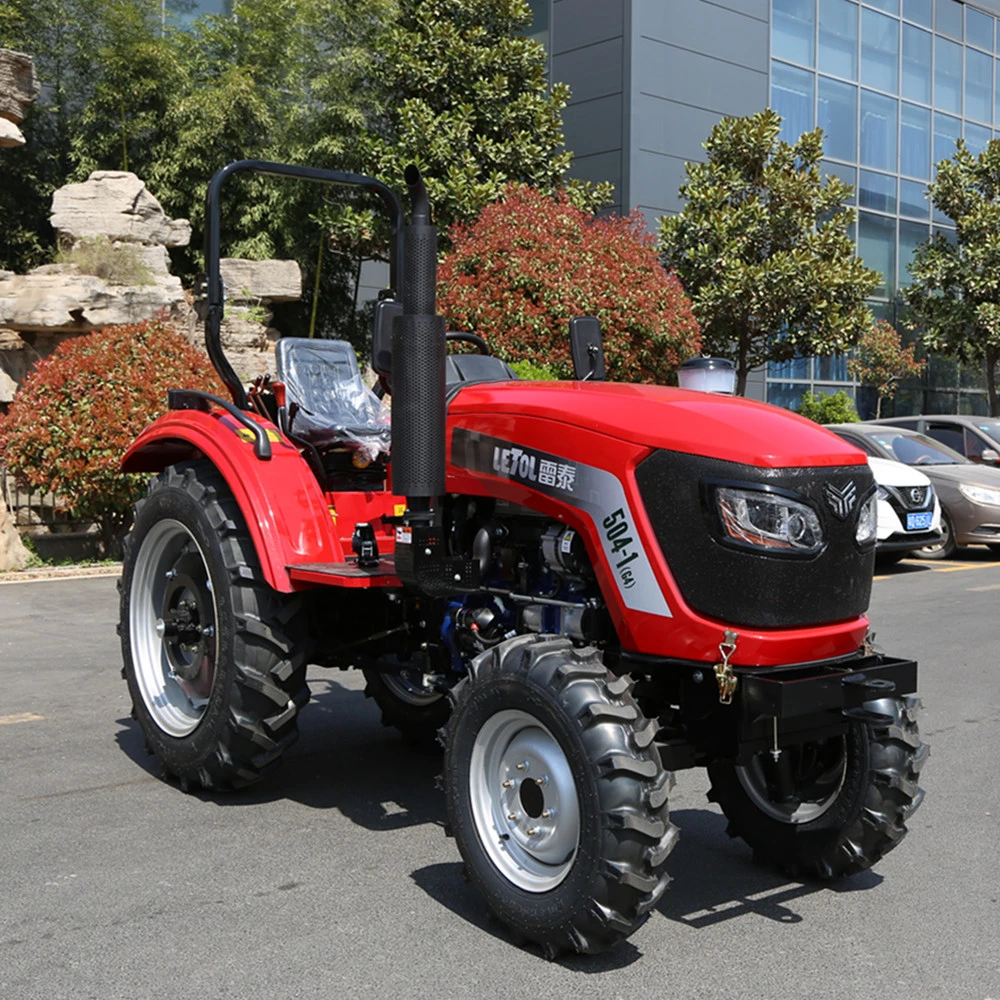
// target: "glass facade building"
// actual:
[[893, 84]]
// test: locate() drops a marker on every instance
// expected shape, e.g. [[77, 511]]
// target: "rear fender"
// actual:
[[283, 505]]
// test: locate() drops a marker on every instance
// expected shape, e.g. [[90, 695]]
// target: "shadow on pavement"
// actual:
[[715, 878]]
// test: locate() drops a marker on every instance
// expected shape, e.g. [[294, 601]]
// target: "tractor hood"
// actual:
[[697, 423]]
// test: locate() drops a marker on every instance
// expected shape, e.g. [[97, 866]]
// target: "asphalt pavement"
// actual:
[[333, 878]]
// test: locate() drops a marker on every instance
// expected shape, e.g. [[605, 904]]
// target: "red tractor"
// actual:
[[579, 587]]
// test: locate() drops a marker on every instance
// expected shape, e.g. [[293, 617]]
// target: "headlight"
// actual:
[[882, 493], [980, 494], [769, 521], [867, 530]]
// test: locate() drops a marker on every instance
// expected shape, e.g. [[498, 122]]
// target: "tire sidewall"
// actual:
[[185, 752]]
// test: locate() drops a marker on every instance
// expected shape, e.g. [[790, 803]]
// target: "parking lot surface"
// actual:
[[334, 878]]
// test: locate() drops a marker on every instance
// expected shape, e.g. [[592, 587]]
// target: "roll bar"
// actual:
[[213, 214]]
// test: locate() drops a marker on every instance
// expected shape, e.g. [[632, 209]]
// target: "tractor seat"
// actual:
[[335, 407], [461, 369]]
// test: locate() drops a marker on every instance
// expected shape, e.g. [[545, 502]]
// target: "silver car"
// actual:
[[969, 493]]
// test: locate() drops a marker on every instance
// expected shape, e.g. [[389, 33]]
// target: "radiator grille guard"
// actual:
[[750, 587]]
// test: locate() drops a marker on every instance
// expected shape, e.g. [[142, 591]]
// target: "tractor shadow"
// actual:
[[344, 759], [715, 879]]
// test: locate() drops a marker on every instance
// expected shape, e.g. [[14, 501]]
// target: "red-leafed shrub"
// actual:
[[531, 262], [74, 415]]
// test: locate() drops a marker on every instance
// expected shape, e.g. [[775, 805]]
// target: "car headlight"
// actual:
[[769, 521], [867, 530], [980, 494]]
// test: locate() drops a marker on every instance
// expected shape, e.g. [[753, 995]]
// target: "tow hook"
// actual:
[[724, 675]]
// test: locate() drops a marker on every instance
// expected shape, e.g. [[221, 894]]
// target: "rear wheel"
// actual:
[[214, 658], [839, 805], [556, 795]]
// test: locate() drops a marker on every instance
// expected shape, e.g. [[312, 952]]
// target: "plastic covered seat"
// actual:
[[334, 406]]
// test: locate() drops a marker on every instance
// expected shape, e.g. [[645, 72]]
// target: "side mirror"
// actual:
[[989, 456], [587, 348], [386, 310]]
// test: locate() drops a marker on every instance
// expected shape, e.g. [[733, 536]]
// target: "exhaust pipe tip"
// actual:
[[421, 211]]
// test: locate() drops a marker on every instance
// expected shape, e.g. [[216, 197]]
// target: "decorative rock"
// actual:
[[261, 280], [10, 134], [18, 85], [115, 204], [56, 297], [13, 554]]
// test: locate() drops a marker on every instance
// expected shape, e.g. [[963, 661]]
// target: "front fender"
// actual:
[[282, 504]]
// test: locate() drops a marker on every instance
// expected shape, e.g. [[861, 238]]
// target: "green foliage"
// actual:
[[532, 372], [80, 408], [837, 408], [118, 264], [881, 361], [763, 248], [463, 94], [955, 296], [531, 262]]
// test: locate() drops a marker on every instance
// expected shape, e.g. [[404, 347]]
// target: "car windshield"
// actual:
[[916, 449]]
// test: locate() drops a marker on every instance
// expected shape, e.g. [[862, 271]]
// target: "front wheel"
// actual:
[[944, 549], [833, 807], [556, 795], [215, 659]]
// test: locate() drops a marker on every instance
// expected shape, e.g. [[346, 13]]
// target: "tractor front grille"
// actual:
[[752, 587]]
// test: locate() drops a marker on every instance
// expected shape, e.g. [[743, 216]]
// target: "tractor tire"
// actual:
[[407, 706], [215, 659], [852, 796], [574, 859]]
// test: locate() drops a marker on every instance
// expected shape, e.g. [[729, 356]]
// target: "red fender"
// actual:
[[283, 505]]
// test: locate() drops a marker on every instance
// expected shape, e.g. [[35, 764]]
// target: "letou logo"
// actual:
[[517, 463], [840, 499]]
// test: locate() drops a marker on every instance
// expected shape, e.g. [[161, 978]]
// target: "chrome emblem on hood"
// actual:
[[841, 501]]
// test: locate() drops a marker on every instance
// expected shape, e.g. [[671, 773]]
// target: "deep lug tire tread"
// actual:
[[263, 653], [881, 791], [420, 725], [626, 833]]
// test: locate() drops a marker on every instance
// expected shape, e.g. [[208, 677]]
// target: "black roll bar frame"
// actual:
[[213, 215]]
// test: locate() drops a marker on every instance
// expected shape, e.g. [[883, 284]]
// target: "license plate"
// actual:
[[920, 521]]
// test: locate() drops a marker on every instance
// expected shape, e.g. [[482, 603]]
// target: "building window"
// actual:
[[837, 116], [948, 18], [792, 98], [879, 51], [978, 85], [916, 64], [915, 141], [878, 131], [838, 38], [793, 29]]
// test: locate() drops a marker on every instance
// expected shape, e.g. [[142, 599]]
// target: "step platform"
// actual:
[[347, 574]]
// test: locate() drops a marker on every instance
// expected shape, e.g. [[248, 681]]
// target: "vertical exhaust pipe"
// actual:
[[418, 364]]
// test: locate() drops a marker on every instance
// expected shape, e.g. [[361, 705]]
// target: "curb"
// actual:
[[43, 573]]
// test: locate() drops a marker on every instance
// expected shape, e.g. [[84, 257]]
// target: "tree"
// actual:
[[955, 296], [832, 408], [532, 261], [763, 248], [882, 361], [463, 94], [81, 407]]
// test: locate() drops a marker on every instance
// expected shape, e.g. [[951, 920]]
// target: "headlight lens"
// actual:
[[769, 521], [980, 494], [867, 530]]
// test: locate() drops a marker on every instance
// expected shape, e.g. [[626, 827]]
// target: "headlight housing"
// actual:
[[866, 532], [980, 494], [771, 522]]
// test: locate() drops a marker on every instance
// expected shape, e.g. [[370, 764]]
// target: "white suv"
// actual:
[[909, 514]]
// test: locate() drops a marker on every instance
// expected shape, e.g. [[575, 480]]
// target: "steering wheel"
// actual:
[[469, 338], [923, 460]]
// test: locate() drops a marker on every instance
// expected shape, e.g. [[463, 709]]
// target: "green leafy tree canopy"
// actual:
[[764, 250], [833, 408], [955, 296], [882, 361]]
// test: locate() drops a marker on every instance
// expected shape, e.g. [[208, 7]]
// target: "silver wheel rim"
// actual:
[[524, 801], [172, 628], [819, 789], [941, 546]]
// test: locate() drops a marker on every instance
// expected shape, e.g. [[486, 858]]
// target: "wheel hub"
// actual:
[[524, 801]]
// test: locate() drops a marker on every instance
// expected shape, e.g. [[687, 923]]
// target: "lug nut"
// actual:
[[512, 816], [543, 780], [508, 784], [546, 814], [532, 830], [522, 766]]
